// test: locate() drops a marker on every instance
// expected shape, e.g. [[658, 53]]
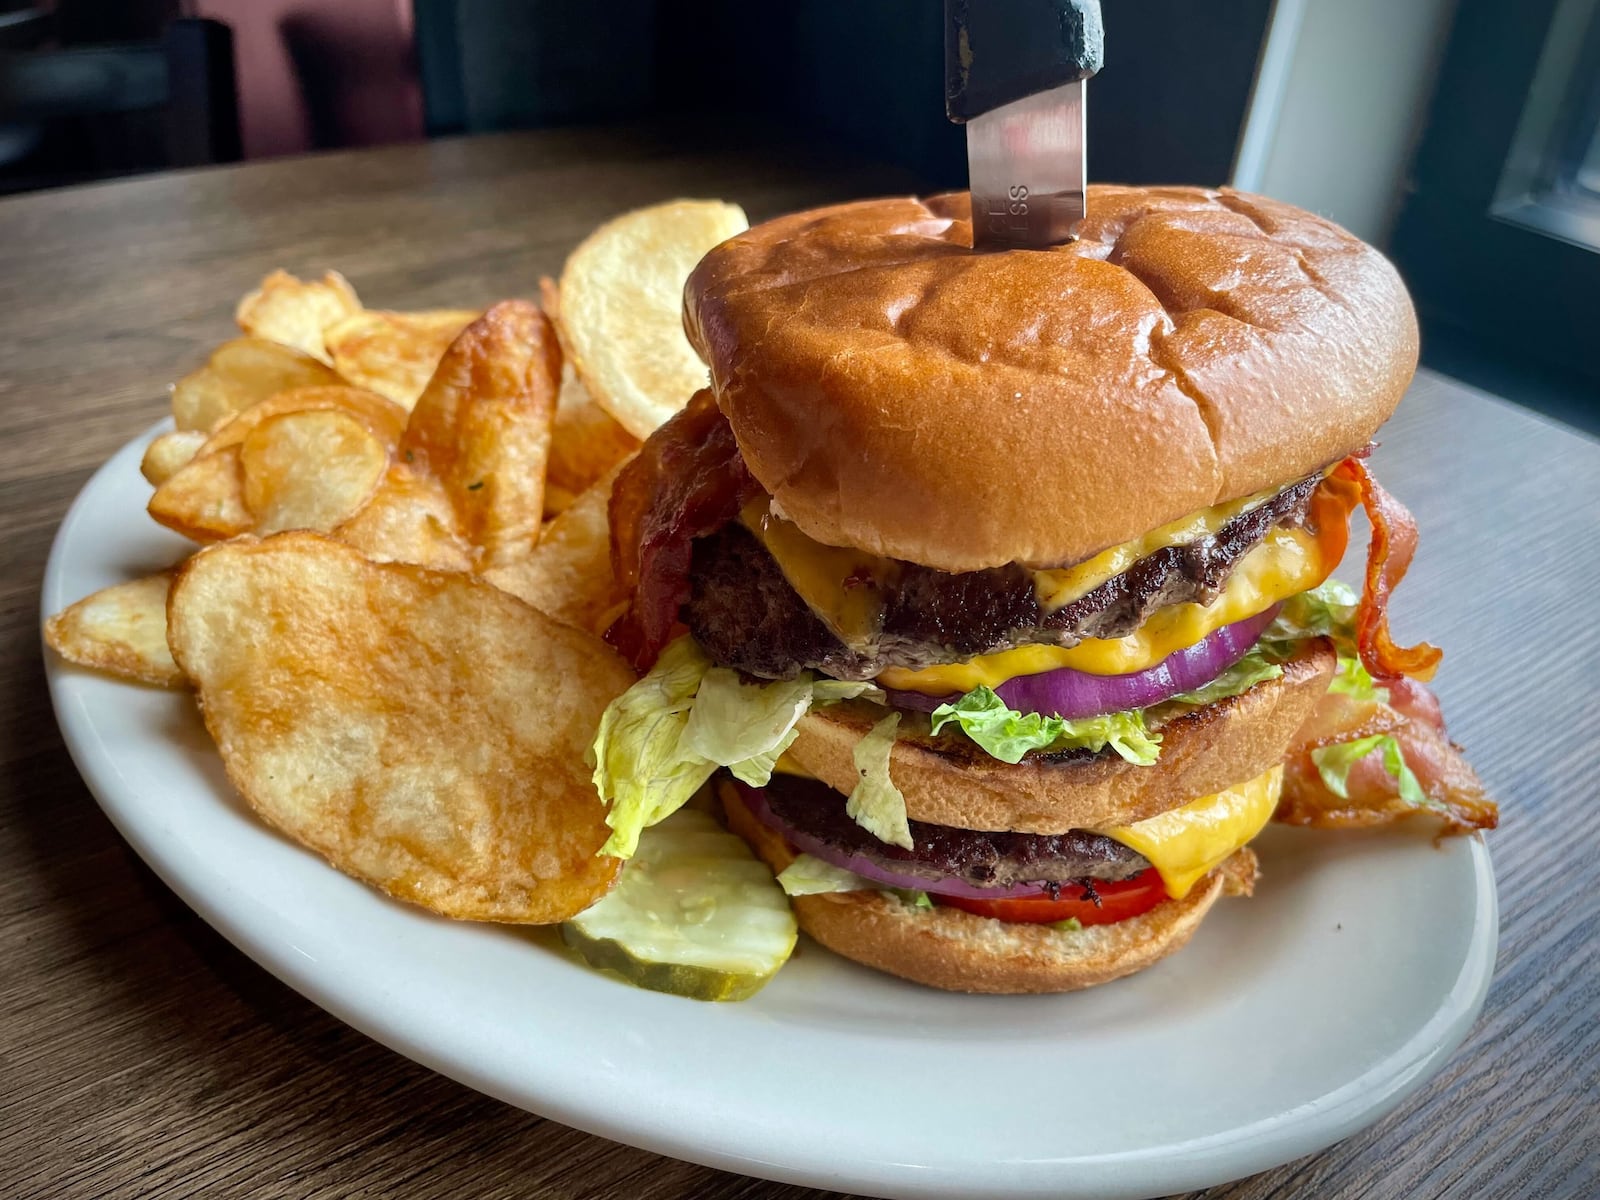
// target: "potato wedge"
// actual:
[[294, 312], [169, 453], [394, 353], [409, 519], [569, 575], [204, 499], [621, 308], [421, 730], [121, 630], [312, 469], [237, 375], [482, 427], [383, 417]]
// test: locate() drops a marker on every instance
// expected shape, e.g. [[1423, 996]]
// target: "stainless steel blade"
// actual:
[[1025, 161]]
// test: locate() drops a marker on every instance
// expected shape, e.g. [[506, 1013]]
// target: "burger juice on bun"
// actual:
[[995, 588]]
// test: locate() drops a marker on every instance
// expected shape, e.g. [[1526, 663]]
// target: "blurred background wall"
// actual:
[[1462, 135]]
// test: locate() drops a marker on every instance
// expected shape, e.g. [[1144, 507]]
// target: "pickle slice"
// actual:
[[694, 914]]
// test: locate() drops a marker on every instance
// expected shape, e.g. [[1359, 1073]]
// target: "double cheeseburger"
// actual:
[[995, 580]]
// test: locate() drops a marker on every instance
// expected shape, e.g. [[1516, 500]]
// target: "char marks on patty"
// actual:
[[745, 614], [942, 851]]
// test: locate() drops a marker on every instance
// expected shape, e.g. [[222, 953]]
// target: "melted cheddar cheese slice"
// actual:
[[1287, 562], [1186, 844], [841, 586]]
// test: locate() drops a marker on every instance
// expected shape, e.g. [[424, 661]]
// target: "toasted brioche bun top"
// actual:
[[898, 393]]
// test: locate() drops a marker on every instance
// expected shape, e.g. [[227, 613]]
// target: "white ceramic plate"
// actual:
[[1290, 1021]]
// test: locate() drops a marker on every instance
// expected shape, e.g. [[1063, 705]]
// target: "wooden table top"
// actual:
[[142, 1056]]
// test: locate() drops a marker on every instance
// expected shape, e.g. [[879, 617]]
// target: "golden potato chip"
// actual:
[[164, 456], [568, 575], [309, 470], [409, 519], [421, 730], [204, 499], [383, 417], [585, 442], [394, 353], [621, 308], [237, 375], [294, 312], [121, 630], [482, 427]]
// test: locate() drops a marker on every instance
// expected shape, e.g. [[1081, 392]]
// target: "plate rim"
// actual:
[[1215, 1159]]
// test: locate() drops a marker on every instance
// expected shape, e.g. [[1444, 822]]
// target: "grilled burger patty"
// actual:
[[942, 851], [745, 615]]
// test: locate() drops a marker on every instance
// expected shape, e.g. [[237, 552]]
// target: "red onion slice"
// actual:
[[1069, 693], [755, 799]]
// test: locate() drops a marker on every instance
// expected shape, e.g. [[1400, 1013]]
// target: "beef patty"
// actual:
[[942, 851], [745, 614]]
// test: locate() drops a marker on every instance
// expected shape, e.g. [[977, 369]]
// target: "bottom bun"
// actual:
[[959, 951]]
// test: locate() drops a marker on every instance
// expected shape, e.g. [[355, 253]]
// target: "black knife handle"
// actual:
[[997, 51]]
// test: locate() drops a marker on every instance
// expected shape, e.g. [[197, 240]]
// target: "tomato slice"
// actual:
[[1118, 901]]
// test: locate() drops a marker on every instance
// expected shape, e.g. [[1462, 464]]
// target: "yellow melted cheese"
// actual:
[[1066, 584], [834, 580], [1288, 561], [787, 766], [1187, 843]]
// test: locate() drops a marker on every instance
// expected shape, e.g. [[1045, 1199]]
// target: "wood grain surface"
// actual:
[[142, 1056]]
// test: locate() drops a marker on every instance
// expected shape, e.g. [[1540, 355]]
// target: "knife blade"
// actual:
[[1016, 74]]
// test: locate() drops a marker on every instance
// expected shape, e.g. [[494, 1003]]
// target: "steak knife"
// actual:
[[1015, 75]]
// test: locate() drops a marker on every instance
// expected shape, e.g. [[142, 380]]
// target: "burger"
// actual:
[[991, 590]]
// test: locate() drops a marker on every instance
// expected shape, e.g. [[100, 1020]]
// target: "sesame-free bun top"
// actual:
[[896, 392]]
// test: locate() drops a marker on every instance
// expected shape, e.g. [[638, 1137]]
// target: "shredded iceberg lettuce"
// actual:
[[1007, 734], [661, 739], [1334, 764], [875, 803], [808, 875], [811, 876]]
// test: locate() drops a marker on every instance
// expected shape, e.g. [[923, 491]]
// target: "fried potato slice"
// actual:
[[569, 575], [294, 312], [421, 730], [585, 443], [121, 630], [409, 519], [168, 454], [204, 499], [311, 469], [394, 353], [383, 417], [237, 375], [482, 427], [621, 308]]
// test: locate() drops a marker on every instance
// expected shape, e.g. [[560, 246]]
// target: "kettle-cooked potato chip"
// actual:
[[569, 574], [394, 353], [167, 454], [311, 469], [383, 417], [585, 442], [121, 630], [482, 427], [423, 731], [204, 499], [237, 375], [294, 312], [409, 519], [621, 308]]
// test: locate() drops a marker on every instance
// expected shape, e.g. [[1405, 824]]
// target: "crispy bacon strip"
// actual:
[[1411, 715], [1394, 541], [688, 480]]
